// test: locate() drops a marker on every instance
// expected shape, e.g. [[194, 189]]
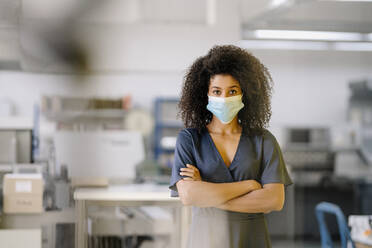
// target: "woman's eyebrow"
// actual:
[[234, 86]]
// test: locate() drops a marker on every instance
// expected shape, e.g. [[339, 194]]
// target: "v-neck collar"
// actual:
[[216, 150]]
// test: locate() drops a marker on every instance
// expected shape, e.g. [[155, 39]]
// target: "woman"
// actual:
[[227, 165]]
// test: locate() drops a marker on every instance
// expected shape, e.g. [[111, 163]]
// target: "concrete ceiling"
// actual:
[[187, 15]]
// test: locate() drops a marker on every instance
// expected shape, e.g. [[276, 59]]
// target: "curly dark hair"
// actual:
[[253, 77]]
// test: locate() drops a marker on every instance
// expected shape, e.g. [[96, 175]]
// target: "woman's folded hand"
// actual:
[[191, 172], [254, 185]]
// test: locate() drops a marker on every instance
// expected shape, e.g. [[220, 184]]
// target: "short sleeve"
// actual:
[[274, 167], [183, 155]]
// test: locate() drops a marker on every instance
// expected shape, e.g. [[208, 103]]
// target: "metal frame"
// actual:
[[81, 208]]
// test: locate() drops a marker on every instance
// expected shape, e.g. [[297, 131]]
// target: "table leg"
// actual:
[[81, 225], [185, 224]]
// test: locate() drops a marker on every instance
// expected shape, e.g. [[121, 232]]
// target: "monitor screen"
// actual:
[[299, 136]]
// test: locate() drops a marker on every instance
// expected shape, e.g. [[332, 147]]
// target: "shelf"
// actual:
[[15, 123], [85, 114], [165, 122], [166, 150], [6, 168], [67, 109], [169, 124], [167, 99]]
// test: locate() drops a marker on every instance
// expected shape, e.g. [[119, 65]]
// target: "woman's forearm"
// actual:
[[206, 194], [264, 200]]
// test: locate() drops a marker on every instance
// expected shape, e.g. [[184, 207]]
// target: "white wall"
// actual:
[[310, 88]]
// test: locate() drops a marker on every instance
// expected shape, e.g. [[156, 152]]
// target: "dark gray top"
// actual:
[[257, 157]]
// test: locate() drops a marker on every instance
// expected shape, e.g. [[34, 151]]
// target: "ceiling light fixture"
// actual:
[[276, 3], [283, 45], [305, 45], [346, 0], [305, 35]]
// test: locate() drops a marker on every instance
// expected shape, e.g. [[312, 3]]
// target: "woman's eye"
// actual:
[[216, 92], [232, 92]]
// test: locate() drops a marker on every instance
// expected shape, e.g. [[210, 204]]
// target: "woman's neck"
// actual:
[[217, 127]]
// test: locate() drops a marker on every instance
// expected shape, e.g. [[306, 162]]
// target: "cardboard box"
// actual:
[[23, 193]]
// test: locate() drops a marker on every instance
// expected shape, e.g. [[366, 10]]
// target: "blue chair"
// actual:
[[330, 208]]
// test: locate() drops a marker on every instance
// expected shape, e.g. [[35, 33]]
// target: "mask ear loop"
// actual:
[[239, 120], [209, 118]]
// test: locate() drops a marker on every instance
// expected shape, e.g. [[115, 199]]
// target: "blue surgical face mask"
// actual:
[[225, 108]]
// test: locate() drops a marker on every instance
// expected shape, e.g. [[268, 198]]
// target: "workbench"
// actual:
[[128, 195]]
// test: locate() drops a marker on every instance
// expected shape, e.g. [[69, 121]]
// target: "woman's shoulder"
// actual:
[[189, 137], [265, 136], [269, 140], [265, 141], [193, 130], [189, 133]]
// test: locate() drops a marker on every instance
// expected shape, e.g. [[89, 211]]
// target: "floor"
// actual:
[[295, 244], [282, 243]]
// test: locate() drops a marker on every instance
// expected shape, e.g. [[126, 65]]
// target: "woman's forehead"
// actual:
[[223, 81]]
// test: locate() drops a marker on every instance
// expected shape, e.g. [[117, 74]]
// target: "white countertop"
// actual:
[[127, 192]]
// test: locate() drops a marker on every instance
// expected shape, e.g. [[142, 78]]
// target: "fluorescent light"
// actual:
[[306, 45], [276, 3], [306, 40], [346, 0], [284, 45], [304, 35]]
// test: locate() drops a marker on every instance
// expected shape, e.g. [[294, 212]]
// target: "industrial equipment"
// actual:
[[101, 154]]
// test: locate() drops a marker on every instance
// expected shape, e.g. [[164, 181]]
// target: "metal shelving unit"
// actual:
[[166, 126]]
